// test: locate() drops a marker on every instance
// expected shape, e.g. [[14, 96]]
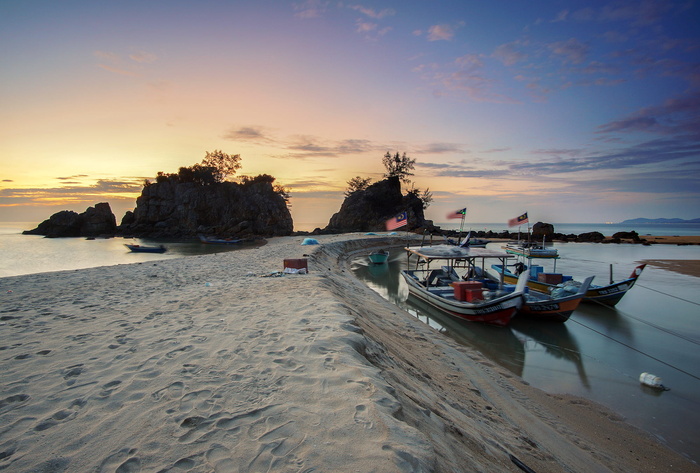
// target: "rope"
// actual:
[[637, 350]]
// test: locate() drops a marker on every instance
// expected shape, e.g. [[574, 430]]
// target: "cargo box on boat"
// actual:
[[550, 278]]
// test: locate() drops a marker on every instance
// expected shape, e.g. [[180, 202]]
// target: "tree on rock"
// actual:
[[224, 164], [356, 184], [399, 166]]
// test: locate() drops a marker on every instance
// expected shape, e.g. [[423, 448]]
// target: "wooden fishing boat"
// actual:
[[379, 257], [146, 249], [531, 250], [467, 298], [539, 281], [218, 241]]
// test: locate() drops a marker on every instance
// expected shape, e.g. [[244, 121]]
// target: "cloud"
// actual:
[[509, 53], [371, 13], [571, 50], [440, 33], [254, 134], [676, 116], [102, 190], [310, 8], [440, 148], [143, 57]]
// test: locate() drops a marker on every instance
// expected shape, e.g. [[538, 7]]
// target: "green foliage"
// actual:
[[222, 164], [356, 184], [399, 166], [425, 196]]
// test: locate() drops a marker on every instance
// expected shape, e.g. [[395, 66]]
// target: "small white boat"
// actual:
[[379, 257]]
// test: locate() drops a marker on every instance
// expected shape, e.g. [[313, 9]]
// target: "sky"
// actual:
[[572, 111]]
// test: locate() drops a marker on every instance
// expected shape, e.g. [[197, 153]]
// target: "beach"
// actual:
[[222, 363]]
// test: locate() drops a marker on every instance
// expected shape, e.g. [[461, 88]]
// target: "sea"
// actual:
[[598, 354]]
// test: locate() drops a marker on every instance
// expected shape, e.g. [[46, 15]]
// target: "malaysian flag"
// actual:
[[514, 222], [458, 213], [398, 221]]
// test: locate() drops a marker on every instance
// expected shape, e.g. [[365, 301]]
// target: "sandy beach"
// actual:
[[219, 363]]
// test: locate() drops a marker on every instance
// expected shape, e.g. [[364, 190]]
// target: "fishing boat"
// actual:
[[557, 305], [218, 241], [146, 249], [379, 257], [531, 250], [540, 281], [467, 298]]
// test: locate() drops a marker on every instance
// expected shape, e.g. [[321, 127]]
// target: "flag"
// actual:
[[514, 222], [396, 222], [458, 213]]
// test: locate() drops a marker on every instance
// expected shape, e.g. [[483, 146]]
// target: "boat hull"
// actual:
[[497, 311], [550, 310], [146, 249]]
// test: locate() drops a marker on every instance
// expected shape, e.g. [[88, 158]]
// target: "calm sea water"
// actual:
[[29, 254], [599, 352]]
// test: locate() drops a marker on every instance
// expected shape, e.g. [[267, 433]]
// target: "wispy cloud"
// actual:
[[310, 8], [442, 32]]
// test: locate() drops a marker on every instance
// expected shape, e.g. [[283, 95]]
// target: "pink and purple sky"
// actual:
[[574, 111]]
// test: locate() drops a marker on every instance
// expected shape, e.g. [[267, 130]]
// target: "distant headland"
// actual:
[[644, 221]]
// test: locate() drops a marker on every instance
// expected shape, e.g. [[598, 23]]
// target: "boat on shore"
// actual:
[[468, 298], [379, 257], [146, 249], [218, 241], [542, 282]]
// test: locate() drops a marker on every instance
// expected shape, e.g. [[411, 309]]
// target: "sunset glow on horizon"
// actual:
[[572, 111]]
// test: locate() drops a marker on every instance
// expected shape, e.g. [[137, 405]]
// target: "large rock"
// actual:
[[542, 231], [368, 210], [227, 209], [95, 221]]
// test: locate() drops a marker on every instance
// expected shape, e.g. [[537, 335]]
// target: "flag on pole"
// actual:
[[514, 222], [458, 213], [399, 221]]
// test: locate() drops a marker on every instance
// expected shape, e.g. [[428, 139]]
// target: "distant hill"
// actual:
[[660, 220]]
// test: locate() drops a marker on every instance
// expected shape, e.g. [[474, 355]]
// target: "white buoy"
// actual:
[[651, 380]]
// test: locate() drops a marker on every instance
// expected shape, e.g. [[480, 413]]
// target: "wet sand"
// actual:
[[220, 363]]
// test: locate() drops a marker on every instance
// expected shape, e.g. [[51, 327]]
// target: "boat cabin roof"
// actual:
[[447, 252]]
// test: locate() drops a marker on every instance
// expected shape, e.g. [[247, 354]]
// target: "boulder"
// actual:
[[368, 210], [95, 221], [226, 209], [590, 237], [542, 231]]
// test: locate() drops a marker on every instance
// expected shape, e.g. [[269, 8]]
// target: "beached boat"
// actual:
[[540, 281], [218, 241], [146, 249], [466, 298], [379, 257]]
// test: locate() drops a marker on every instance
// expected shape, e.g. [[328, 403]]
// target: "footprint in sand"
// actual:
[[123, 461], [173, 391], [362, 417], [219, 457]]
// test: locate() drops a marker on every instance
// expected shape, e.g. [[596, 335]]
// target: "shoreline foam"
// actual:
[[201, 364]]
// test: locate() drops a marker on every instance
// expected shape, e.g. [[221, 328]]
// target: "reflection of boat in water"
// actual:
[[557, 341], [498, 344]]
